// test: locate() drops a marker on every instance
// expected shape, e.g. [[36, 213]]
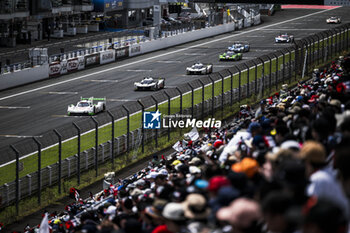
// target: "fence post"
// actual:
[[347, 36], [231, 87], [192, 98], [331, 35], [142, 127], [39, 169], [308, 57], [318, 49], [17, 177], [112, 136], [96, 145], [178, 89], [169, 101], [276, 76], [338, 30], [203, 87], [59, 159], [156, 138], [239, 84], [222, 94], [262, 75], [312, 50], [290, 65], [247, 67], [127, 127], [78, 154], [212, 95]]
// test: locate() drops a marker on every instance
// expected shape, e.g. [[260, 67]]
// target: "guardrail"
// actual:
[[199, 98]]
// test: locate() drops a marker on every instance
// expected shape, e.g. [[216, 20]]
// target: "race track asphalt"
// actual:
[[33, 109]]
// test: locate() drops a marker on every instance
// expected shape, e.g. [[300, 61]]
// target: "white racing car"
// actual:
[[89, 106], [284, 38], [199, 68], [149, 83], [333, 19], [239, 47]]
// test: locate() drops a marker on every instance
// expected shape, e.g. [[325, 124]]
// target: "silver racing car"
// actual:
[[87, 106], [199, 68], [149, 83]]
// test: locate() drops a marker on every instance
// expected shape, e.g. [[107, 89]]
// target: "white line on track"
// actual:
[[262, 50], [195, 54], [101, 81], [18, 136], [248, 58], [164, 54], [62, 116], [120, 100], [170, 86], [169, 61], [283, 44], [61, 93], [294, 29], [188, 75], [138, 70], [256, 36], [222, 66], [14, 107]]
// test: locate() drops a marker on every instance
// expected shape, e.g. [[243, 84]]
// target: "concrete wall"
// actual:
[[24, 76], [162, 43]]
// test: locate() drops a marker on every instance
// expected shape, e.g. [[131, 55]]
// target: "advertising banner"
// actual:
[[54, 69], [107, 56], [92, 59], [121, 53], [72, 64], [64, 67], [135, 50], [81, 63]]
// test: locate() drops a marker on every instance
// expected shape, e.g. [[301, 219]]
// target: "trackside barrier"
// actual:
[[231, 86]]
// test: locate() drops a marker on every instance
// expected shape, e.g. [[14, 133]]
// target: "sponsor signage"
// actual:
[[92, 59], [72, 64], [64, 67], [107, 56], [121, 53], [107, 5], [54, 69], [81, 63], [135, 49]]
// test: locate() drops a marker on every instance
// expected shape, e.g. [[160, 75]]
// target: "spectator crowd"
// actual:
[[283, 168]]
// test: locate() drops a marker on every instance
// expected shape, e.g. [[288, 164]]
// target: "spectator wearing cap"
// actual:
[[196, 211], [243, 215], [323, 216], [323, 183], [276, 207], [261, 109], [174, 216], [254, 128], [341, 163]]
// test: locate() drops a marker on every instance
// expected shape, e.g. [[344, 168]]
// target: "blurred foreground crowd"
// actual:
[[282, 168]]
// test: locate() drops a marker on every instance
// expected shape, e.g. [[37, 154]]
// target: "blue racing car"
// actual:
[[239, 47]]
